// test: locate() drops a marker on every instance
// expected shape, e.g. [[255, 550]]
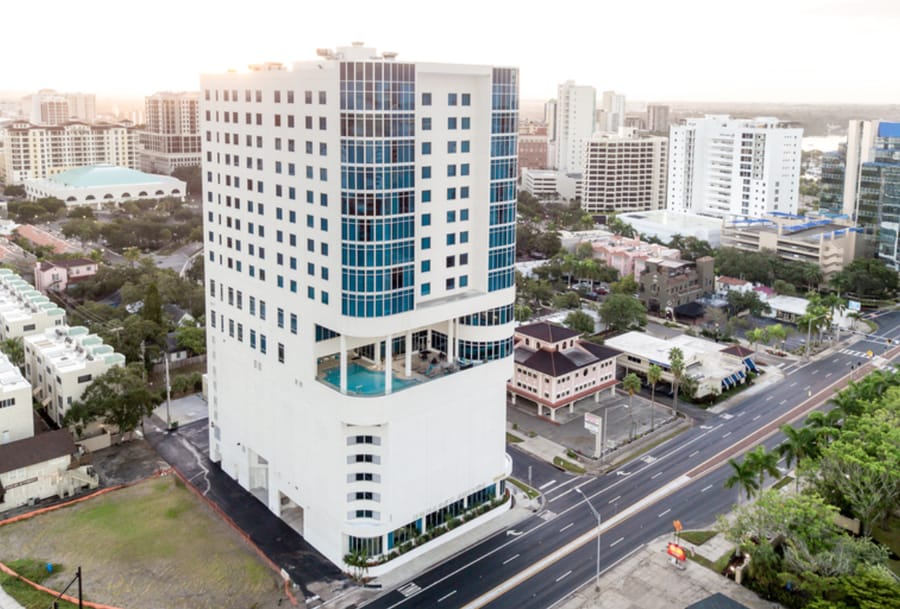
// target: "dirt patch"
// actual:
[[148, 546], [127, 462]]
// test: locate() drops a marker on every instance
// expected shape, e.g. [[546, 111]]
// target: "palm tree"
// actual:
[[798, 444], [676, 366], [654, 373], [632, 384], [755, 336], [763, 462], [744, 476], [825, 426], [14, 350]]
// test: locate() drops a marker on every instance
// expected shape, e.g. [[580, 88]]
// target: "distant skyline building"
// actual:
[[878, 201], [658, 118], [575, 105], [359, 228], [831, 184], [726, 166], [33, 152], [171, 134], [624, 172], [613, 106], [48, 107]]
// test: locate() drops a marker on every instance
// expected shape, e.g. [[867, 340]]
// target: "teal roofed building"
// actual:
[[98, 184]]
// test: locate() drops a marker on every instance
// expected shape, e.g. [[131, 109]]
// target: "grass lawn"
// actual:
[[27, 596], [512, 438], [151, 545], [524, 488], [890, 537], [568, 466], [697, 538]]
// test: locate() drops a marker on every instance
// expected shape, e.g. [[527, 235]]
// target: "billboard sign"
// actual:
[[593, 422]]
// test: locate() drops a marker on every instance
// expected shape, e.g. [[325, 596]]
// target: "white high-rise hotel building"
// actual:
[[574, 125], [360, 235], [739, 167]]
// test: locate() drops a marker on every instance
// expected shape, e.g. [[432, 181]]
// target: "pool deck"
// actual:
[[423, 370]]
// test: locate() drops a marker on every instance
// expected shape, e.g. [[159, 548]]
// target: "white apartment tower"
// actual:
[[722, 166], [624, 172], [613, 106], [360, 240], [574, 125], [171, 135], [47, 107], [33, 152]]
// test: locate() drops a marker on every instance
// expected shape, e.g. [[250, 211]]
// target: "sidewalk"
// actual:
[[8, 602], [647, 580]]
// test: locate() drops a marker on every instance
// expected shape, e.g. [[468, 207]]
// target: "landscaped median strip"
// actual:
[[576, 543]]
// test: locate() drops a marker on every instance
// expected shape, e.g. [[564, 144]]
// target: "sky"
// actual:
[[790, 51]]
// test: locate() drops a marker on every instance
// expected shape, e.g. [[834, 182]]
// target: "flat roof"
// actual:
[[672, 219]]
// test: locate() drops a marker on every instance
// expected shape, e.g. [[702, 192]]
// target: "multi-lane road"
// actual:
[[551, 554]]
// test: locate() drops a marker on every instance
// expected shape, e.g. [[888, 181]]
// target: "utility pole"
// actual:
[[168, 394], [597, 515]]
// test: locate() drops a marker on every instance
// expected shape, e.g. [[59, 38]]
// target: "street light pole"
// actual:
[[597, 515]]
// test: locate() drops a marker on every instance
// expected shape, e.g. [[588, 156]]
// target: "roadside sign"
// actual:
[[676, 551], [593, 422], [677, 525], [854, 305]]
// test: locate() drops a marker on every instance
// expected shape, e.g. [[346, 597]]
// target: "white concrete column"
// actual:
[[597, 398], [388, 358], [343, 364], [552, 413], [571, 407], [409, 348], [376, 353]]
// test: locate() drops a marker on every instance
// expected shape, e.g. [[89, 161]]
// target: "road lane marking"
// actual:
[[834, 360], [664, 513], [783, 402], [792, 384], [564, 575], [706, 488], [740, 414], [769, 398], [656, 475], [726, 435], [756, 417], [546, 485], [409, 589], [616, 541], [815, 372], [510, 559], [446, 596], [614, 499], [571, 524], [694, 454], [829, 374]]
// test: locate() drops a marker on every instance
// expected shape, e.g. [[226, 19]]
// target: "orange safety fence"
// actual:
[[64, 504], [65, 597], [225, 517]]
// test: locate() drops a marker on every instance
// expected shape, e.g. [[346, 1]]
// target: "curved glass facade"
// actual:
[[377, 188], [504, 154], [491, 317]]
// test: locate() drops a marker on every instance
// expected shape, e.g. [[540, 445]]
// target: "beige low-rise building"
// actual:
[[828, 241], [61, 362], [24, 310], [555, 368], [715, 367], [41, 467], [16, 413], [57, 275]]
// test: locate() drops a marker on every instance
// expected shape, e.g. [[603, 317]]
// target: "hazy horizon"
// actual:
[[697, 51]]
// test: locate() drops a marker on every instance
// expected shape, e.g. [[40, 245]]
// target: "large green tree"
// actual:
[[580, 322], [622, 312], [14, 350], [866, 278], [191, 337], [120, 396]]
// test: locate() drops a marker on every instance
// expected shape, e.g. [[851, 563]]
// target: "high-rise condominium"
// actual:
[[171, 137], [722, 166], [613, 107], [878, 187], [574, 125], [47, 107], [624, 172], [360, 239], [658, 118]]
